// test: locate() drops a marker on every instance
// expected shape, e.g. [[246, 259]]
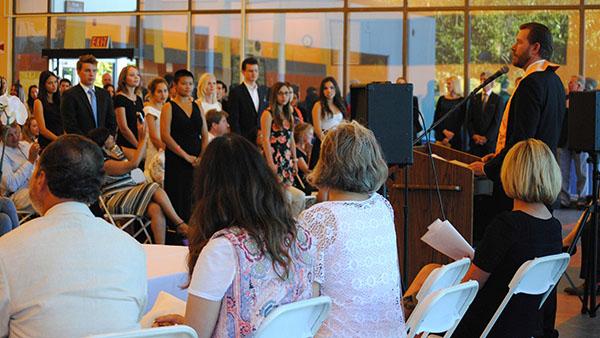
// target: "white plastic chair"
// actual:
[[298, 320], [129, 219], [442, 310], [443, 277], [177, 331], [534, 277]]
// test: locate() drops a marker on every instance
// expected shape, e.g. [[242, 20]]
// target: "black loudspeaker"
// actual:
[[386, 109], [584, 121]]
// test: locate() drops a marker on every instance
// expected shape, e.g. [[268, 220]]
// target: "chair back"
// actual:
[[442, 310], [298, 320], [177, 331], [443, 277], [535, 277]]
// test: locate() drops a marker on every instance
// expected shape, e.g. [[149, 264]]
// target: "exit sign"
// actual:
[[100, 42]]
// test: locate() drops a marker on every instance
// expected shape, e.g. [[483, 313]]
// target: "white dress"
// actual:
[[357, 266], [332, 121], [205, 106], [154, 168]]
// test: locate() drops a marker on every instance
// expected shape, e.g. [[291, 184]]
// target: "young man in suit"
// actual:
[[483, 119], [85, 106], [535, 110], [246, 102]]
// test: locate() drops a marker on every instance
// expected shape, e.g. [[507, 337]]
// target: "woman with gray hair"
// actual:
[[357, 260]]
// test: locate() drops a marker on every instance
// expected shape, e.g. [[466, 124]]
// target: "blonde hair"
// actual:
[[202, 84], [530, 173], [351, 160], [456, 84]]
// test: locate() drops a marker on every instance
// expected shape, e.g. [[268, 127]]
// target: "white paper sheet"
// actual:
[[443, 237]]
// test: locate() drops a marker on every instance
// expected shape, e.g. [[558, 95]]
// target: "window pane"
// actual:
[[493, 34], [216, 46], [76, 31], [30, 38], [66, 6], [375, 3], [592, 44], [216, 4], [295, 3], [159, 5], [523, 2], [301, 56], [164, 45], [372, 58], [435, 3], [31, 6], [435, 52]]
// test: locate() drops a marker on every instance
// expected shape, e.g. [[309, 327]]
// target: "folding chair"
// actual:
[[442, 310], [128, 219], [443, 277], [25, 215], [534, 277], [177, 331], [298, 320]]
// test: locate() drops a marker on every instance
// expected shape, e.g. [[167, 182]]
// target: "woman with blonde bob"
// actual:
[[530, 176], [357, 261], [449, 131], [207, 94]]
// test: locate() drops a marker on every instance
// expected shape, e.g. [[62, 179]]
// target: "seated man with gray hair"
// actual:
[[68, 273]]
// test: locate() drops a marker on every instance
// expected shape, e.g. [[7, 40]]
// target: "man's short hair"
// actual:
[[539, 33], [87, 58], [351, 160], [74, 168], [215, 116], [182, 73], [590, 84], [530, 173], [219, 82], [63, 80], [249, 61]]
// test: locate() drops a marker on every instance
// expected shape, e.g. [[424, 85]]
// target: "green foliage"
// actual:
[[493, 34]]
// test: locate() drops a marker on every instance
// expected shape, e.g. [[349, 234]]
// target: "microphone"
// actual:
[[493, 77]]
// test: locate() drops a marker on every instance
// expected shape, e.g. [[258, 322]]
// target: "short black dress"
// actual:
[[179, 173], [52, 120], [131, 110]]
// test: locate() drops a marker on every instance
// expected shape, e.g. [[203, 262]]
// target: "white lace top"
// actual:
[[357, 266]]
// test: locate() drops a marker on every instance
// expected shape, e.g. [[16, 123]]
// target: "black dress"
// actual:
[[179, 172], [131, 110], [53, 121], [453, 123], [510, 240]]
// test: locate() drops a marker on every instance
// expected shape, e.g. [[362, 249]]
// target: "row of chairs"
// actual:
[[442, 302]]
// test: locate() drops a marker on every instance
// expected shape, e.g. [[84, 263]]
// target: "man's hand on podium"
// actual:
[[477, 168]]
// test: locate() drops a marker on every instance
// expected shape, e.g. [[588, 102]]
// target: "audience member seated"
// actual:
[[9, 219], [216, 121], [133, 194], [357, 261], [247, 255], [31, 131], [67, 273], [303, 136], [19, 159], [530, 176]]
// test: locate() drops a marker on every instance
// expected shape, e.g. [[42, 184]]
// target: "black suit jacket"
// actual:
[[537, 110], [485, 121], [243, 117], [77, 114]]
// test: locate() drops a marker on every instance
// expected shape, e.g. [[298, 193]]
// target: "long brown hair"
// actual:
[[285, 112], [234, 187], [338, 101]]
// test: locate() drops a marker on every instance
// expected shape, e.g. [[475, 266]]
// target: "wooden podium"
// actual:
[[456, 184]]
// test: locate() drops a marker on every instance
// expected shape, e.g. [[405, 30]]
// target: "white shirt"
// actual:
[[151, 150], [210, 136], [253, 90], [214, 270], [357, 266], [16, 169], [86, 89], [205, 106], [70, 274]]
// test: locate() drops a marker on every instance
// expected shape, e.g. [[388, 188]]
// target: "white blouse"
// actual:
[[214, 270], [357, 266]]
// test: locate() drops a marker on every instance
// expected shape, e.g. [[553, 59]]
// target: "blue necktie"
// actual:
[[93, 104]]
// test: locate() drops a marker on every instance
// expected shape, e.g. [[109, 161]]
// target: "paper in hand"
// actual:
[[443, 237]]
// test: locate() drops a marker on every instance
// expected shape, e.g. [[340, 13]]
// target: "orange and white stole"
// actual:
[[538, 66]]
